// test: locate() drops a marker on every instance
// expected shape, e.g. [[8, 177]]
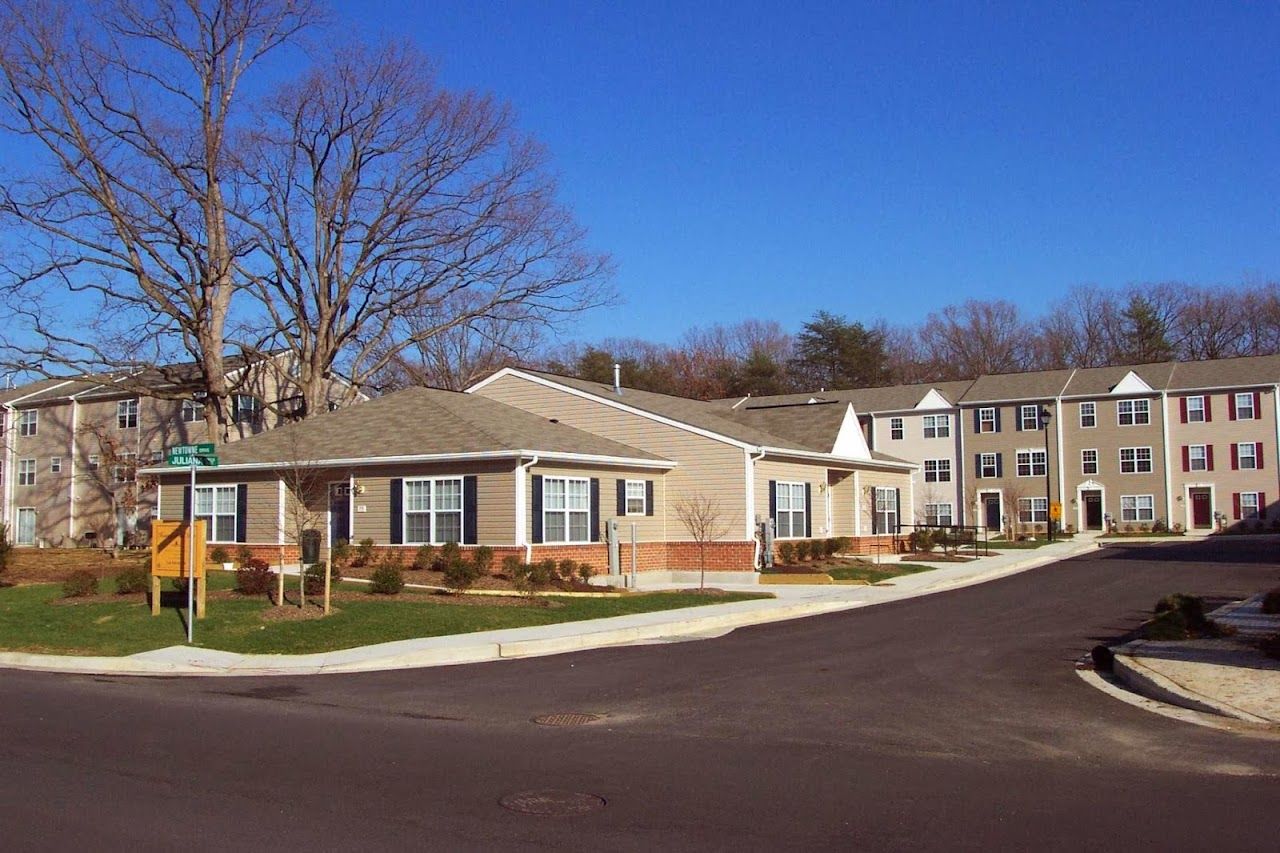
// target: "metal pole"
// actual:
[[633, 555], [1048, 488], [191, 556]]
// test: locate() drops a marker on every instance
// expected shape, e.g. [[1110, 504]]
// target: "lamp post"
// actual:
[[1048, 489]]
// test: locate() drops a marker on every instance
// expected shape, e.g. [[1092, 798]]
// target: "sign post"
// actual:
[[193, 456]]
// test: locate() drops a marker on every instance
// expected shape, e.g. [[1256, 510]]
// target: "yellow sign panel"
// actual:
[[171, 548], [1055, 511]]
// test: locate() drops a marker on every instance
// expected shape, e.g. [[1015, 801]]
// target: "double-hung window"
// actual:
[[987, 420], [1033, 510], [937, 426], [886, 512], [1195, 410], [790, 510], [1135, 460], [566, 509], [988, 465], [26, 472], [1247, 455], [1137, 508], [247, 409], [1088, 415], [1089, 461], [433, 511], [1032, 463], [28, 422], [635, 497], [938, 515], [126, 469], [192, 411], [895, 429], [1133, 412], [1244, 407], [937, 470], [1197, 457], [1029, 418], [1250, 505], [55, 464], [217, 506], [127, 414]]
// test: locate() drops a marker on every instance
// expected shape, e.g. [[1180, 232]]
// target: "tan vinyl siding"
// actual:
[[868, 480], [495, 498], [792, 472], [648, 528], [914, 447], [704, 466], [1108, 437]]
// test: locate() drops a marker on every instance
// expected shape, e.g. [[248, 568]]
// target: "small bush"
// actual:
[[522, 577], [483, 559], [1180, 616], [313, 579], [1271, 602], [219, 555], [585, 571], [843, 544], [449, 552], [80, 583], [387, 579], [1158, 526], [921, 540], [548, 572], [243, 555], [364, 553], [787, 553], [802, 551], [511, 566], [1177, 527], [1128, 528], [568, 570], [460, 574], [254, 578], [340, 552], [832, 547], [132, 581], [425, 557]]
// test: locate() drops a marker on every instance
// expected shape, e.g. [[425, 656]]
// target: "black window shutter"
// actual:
[[897, 509], [186, 502], [999, 464], [242, 512], [977, 421], [977, 465], [622, 497], [595, 509], [773, 502], [997, 418], [648, 497], [1018, 418], [808, 510], [397, 511], [875, 516], [537, 509], [469, 515]]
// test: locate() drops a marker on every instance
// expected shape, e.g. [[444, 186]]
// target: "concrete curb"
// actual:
[[1146, 681], [492, 645], [1116, 689]]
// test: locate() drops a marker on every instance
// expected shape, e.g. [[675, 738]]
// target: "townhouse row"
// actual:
[[1191, 444]]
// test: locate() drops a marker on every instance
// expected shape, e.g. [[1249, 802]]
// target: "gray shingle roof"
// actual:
[[419, 422], [1226, 373], [890, 398], [1036, 385], [1097, 381]]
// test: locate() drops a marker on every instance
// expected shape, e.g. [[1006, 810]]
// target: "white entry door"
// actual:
[[26, 533]]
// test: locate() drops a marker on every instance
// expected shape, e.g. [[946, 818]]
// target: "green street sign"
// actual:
[[200, 460], [191, 450]]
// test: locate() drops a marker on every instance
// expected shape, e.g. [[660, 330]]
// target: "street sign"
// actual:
[[191, 449], [186, 461], [1055, 511]]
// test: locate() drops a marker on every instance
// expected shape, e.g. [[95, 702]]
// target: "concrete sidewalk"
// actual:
[[791, 602]]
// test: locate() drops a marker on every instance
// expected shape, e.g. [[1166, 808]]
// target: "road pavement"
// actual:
[[952, 721]]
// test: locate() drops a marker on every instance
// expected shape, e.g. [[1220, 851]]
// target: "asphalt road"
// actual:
[[953, 721]]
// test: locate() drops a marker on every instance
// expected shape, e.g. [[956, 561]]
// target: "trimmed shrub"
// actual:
[[340, 552], [254, 578], [802, 551], [1271, 602], [921, 541], [460, 574], [243, 555], [786, 553], [449, 552], [522, 577], [511, 566], [1180, 616], [585, 571], [6, 547], [387, 579], [132, 581], [1158, 526], [425, 558], [79, 584], [483, 559], [219, 555], [831, 546], [843, 544], [313, 579], [364, 553], [568, 570], [548, 572]]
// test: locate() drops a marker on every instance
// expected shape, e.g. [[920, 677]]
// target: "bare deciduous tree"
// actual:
[[703, 518], [974, 338]]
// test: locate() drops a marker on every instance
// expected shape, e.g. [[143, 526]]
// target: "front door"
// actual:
[[1201, 509], [1092, 510], [991, 509], [339, 512], [26, 526]]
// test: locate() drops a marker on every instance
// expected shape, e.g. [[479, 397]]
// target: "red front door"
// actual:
[[1201, 511]]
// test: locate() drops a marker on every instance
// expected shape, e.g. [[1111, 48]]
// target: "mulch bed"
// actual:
[[53, 565], [502, 583]]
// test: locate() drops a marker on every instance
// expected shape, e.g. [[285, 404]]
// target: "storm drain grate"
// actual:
[[566, 719], [552, 803]]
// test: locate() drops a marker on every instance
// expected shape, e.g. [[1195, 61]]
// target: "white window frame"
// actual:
[[1136, 509], [897, 429], [432, 512], [126, 471], [987, 418], [635, 490], [993, 466], [1029, 414], [254, 410], [566, 512], [1195, 410], [55, 464], [937, 426], [28, 422], [940, 473], [1203, 458], [1088, 457], [215, 514], [1247, 514], [1253, 455], [1033, 510], [1138, 414], [93, 461], [1033, 468], [1137, 461], [795, 518], [1089, 412], [26, 472], [934, 514], [885, 508], [192, 411], [18, 538], [1247, 397], [127, 414]]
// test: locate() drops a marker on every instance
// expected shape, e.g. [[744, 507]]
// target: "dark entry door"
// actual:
[[1201, 510], [1092, 511], [991, 506], [339, 512]]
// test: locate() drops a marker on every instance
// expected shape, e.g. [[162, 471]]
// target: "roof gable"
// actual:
[[933, 400], [1132, 383], [850, 441]]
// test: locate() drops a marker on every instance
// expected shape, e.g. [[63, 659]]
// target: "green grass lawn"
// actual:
[[29, 622], [872, 573]]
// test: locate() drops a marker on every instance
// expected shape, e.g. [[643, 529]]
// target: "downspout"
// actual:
[[961, 471], [1275, 399], [1168, 475], [71, 487], [751, 505], [1062, 469], [522, 522], [9, 424]]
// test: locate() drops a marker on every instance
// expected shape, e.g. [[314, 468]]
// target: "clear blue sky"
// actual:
[[771, 159]]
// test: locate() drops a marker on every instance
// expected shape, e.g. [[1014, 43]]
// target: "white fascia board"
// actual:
[[850, 442], [586, 395], [833, 459], [16, 400], [1132, 383], [1261, 386], [479, 456]]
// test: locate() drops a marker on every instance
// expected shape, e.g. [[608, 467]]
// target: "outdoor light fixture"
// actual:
[[1045, 416]]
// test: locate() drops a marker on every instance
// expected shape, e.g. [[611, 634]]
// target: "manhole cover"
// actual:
[[565, 719], [552, 803]]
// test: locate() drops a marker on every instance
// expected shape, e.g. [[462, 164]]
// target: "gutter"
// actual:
[[625, 461], [751, 503], [522, 525]]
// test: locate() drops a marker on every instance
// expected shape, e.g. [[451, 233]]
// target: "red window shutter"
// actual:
[[1262, 505], [1208, 457], [1235, 505], [1208, 409], [1257, 454], [1257, 407], [1186, 458], [1182, 409], [1231, 406], [1235, 458]]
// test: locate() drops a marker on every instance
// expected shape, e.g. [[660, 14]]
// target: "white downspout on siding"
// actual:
[[522, 523], [962, 493], [750, 521], [1275, 452], [857, 503], [8, 424], [71, 454], [1168, 474], [280, 518], [1062, 465]]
